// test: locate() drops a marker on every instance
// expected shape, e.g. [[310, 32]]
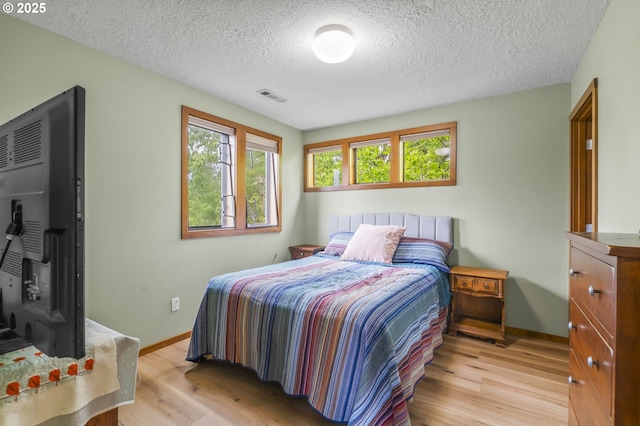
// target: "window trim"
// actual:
[[349, 166], [241, 226]]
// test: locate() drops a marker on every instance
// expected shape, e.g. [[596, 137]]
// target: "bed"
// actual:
[[352, 336]]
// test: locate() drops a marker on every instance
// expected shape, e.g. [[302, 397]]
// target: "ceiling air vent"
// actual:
[[271, 95]]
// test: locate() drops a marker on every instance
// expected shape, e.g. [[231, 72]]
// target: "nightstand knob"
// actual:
[[571, 325], [591, 362], [486, 286], [571, 381], [573, 273], [593, 291]]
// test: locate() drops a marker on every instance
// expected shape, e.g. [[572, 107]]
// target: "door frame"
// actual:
[[584, 162]]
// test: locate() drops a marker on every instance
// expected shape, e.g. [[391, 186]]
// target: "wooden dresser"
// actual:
[[604, 329]]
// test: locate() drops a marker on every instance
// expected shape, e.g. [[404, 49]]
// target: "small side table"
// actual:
[[477, 303], [305, 250]]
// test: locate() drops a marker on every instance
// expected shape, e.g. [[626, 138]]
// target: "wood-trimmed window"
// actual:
[[231, 177], [421, 156]]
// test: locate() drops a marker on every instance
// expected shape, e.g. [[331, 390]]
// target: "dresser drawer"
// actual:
[[476, 285], [592, 286], [594, 355], [587, 408], [573, 418]]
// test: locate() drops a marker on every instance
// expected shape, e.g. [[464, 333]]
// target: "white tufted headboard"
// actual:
[[433, 227]]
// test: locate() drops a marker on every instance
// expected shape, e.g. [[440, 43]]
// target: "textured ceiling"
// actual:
[[410, 54]]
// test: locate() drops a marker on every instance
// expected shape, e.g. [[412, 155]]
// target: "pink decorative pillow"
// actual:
[[373, 243]]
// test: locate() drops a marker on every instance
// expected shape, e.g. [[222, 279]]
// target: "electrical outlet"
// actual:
[[175, 304]]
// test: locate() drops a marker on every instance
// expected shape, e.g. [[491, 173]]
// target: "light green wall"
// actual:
[[135, 259], [614, 58], [510, 203]]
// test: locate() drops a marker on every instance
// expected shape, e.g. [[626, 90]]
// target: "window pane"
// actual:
[[327, 168], [426, 159], [260, 186], [372, 163], [204, 177]]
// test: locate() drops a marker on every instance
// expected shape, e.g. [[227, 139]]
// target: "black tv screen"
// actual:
[[42, 216]]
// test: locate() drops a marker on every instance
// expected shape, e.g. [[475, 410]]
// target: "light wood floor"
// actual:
[[469, 382]]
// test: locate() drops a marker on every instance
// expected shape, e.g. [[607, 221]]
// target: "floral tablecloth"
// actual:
[[36, 388]]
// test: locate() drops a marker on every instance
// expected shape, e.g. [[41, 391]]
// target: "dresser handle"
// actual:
[[571, 325], [571, 381], [593, 291], [591, 362], [486, 286], [572, 272]]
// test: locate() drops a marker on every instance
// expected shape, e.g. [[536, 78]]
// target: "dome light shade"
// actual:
[[333, 44]]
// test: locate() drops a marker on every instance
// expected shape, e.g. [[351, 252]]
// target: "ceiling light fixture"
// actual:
[[333, 44]]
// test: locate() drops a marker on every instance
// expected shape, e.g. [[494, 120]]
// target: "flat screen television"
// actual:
[[42, 208]]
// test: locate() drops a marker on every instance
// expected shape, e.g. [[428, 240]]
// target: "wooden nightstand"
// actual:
[[477, 303], [305, 250]]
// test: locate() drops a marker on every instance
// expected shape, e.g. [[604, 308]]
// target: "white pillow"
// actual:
[[373, 243]]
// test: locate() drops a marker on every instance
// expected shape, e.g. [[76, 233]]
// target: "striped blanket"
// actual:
[[352, 337]]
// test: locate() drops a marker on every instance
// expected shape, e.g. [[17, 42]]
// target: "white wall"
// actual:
[[135, 259], [614, 58], [510, 203]]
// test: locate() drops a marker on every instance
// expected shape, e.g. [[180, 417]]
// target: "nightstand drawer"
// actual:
[[302, 251], [476, 285], [483, 285], [299, 254], [462, 283]]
